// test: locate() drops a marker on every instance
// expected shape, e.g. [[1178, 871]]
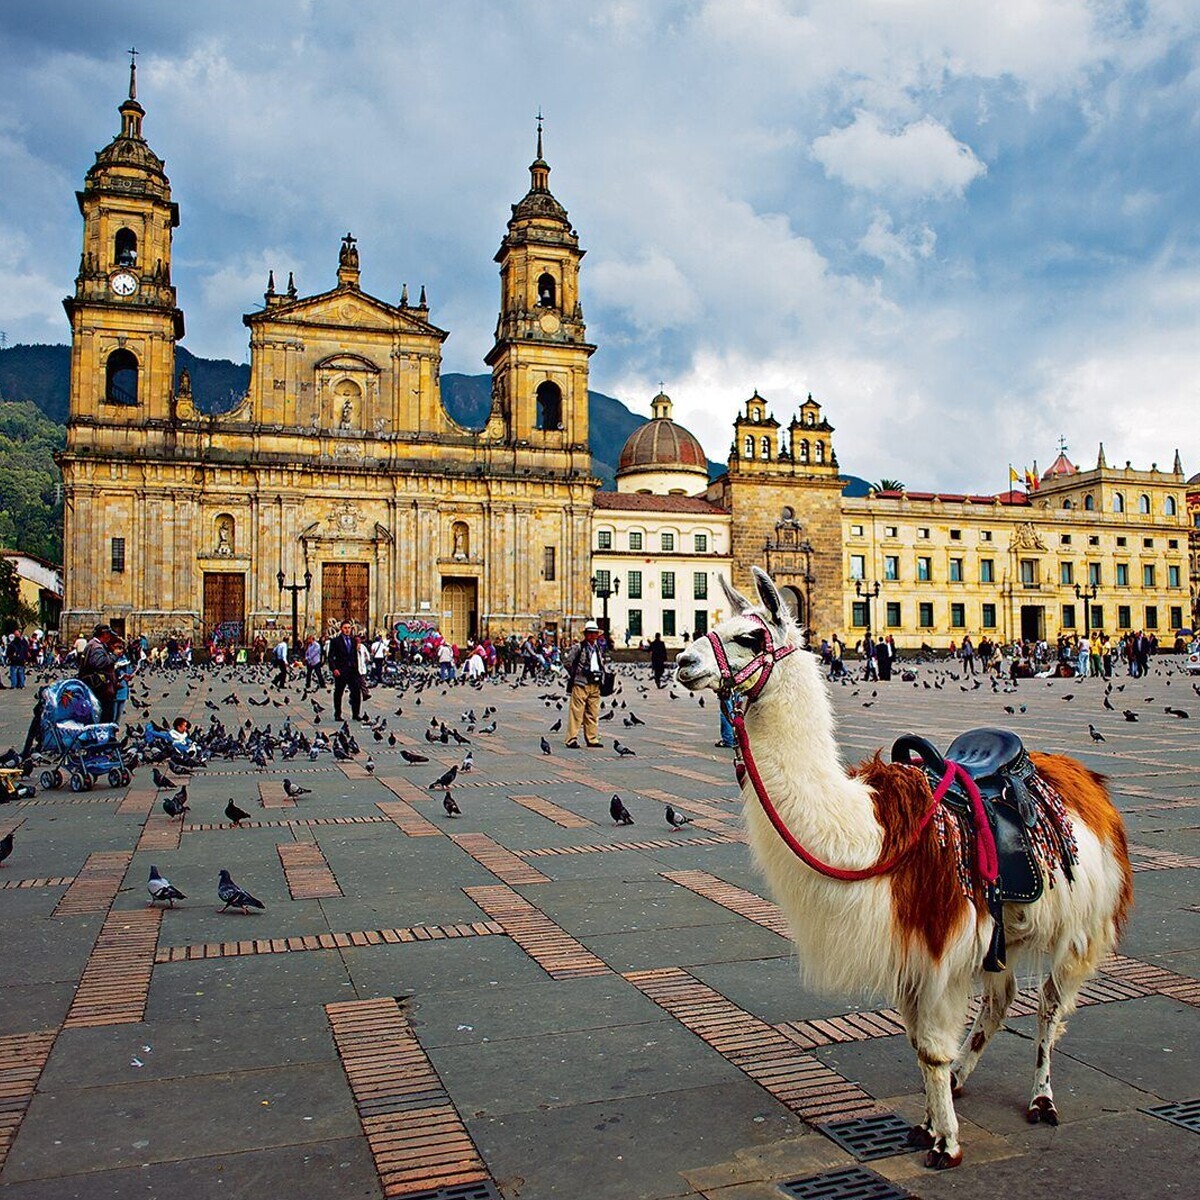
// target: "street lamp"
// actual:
[[807, 549], [295, 589], [868, 594], [1087, 595], [605, 589]]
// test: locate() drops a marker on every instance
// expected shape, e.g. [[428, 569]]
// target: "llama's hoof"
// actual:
[[1041, 1109], [920, 1138], [956, 1088], [940, 1159]]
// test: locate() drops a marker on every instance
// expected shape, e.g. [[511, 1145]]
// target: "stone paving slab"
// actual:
[[566, 1085]]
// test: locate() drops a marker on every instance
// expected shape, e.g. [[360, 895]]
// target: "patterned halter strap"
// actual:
[[764, 661]]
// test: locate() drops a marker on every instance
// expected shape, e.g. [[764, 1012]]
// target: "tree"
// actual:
[[14, 613], [889, 485]]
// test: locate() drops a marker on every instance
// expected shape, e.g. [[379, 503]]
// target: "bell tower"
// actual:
[[540, 358], [124, 318]]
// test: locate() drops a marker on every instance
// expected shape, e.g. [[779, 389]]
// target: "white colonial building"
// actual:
[[659, 546]]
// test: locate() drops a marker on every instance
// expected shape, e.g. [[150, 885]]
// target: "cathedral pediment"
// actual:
[[343, 307]]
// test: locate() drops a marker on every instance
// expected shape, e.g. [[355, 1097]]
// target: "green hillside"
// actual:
[[30, 483]]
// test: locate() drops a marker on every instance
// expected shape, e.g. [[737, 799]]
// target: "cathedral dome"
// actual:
[[661, 445]]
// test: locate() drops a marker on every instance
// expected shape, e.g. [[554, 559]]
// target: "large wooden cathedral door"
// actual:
[[345, 595], [225, 606], [459, 609]]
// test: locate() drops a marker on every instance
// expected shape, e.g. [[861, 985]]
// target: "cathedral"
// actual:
[[339, 479], [339, 488]]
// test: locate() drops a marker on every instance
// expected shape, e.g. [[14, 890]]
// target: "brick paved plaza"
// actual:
[[526, 1001]]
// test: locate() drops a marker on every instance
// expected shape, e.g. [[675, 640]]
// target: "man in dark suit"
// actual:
[[343, 662]]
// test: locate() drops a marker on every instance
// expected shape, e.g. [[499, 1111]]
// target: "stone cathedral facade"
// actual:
[[339, 467]]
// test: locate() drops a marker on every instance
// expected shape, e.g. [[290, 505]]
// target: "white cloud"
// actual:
[[896, 248], [921, 159], [652, 290]]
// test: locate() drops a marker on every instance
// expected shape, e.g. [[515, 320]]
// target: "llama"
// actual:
[[918, 932]]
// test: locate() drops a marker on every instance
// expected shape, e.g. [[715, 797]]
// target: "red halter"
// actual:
[[765, 660]]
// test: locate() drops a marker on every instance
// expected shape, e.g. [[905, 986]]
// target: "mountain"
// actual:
[[41, 374]]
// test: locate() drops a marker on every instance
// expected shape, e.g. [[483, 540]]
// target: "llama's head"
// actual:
[[750, 642]]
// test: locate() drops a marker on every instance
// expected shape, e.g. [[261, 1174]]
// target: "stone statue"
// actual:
[[347, 414], [224, 538]]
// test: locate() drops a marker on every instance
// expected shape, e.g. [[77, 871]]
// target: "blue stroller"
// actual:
[[72, 734]]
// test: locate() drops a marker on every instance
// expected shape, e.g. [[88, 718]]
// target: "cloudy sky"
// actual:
[[966, 227]]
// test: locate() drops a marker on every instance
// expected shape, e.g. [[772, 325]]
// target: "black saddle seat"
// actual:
[[985, 752]]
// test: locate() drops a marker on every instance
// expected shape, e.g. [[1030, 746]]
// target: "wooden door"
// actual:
[[225, 606], [459, 607], [345, 595]]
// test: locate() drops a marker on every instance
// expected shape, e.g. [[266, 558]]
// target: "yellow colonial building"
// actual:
[[339, 469]]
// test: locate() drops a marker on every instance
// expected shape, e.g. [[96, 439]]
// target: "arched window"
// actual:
[[1171, 506], [1068, 504], [749, 445], [820, 452], [125, 248], [766, 447], [804, 450], [1089, 502], [549, 406], [1144, 504], [788, 513], [121, 378], [547, 290], [1118, 502]]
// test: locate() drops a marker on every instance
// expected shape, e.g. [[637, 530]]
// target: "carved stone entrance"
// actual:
[[460, 608], [346, 595], [225, 606]]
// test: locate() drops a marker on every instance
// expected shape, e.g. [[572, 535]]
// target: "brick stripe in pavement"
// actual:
[[22, 1057], [96, 883], [552, 812], [502, 863], [327, 941], [407, 819], [116, 979], [552, 948], [307, 871], [415, 1134], [801, 1081], [51, 881]]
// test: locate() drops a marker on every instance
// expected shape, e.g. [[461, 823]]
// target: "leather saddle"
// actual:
[[997, 761]]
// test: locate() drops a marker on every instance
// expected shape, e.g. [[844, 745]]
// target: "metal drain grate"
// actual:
[[878, 1136], [482, 1190], [848, 1183], [1185, 1113]]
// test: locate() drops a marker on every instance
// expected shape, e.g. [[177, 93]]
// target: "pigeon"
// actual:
[[176, 805], [162, 889], [411, 756], [452, 809], [295, 790], [444, 781], [369, 765], [161, 780], [634, 719], [1108, 703], [231, 894], [6, 847], [488, 728], [1069, 696], [1097, 736], [556, 726], [619, 813], [1129, 714], [623, 751], [545, 746], [676, 820], [468, 763], [1177, 712], [235, 814], [1008, 708]]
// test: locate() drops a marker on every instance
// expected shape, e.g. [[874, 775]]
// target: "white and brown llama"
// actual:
[[918, 933]]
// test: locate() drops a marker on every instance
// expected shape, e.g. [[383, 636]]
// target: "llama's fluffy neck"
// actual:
[[791, 732]]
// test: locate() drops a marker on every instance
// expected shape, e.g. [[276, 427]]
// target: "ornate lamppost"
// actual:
[[605, 589], [1087, 595], [295, 589], [869, 593]]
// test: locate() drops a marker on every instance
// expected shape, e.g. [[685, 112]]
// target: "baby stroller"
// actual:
[[72, 735]]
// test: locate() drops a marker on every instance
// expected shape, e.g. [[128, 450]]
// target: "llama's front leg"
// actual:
[[932, 1025], [998, 994]]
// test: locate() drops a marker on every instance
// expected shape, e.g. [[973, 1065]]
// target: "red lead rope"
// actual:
[[986, 858]]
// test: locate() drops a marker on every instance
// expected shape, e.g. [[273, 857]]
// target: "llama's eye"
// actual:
[[752, 641]]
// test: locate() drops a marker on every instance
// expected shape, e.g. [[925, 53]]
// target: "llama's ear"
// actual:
[[768, 593], [737, 602]]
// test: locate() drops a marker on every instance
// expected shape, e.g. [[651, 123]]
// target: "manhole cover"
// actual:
[[848, 1183], [483, 1190], [878, 1136], [1184, 1112]]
